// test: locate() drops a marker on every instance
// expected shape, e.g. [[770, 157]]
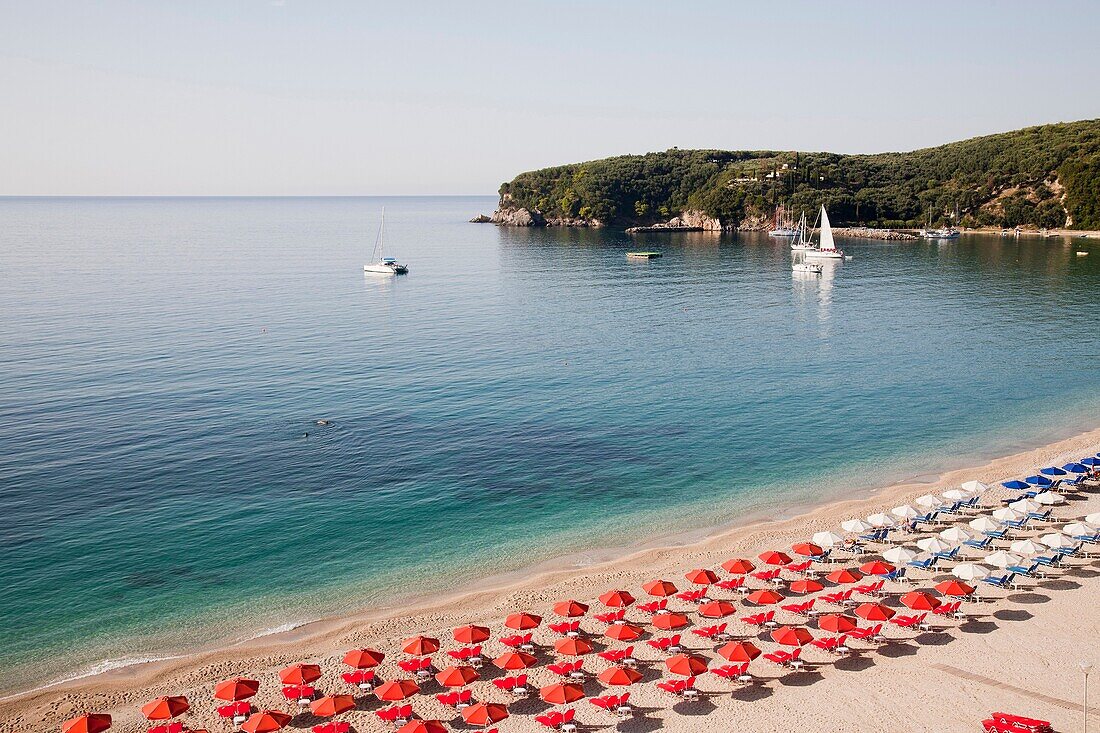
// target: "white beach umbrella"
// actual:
[[984, 524], [934, 544], [1025, 506], [1027, 548], [827, 539], [1056, 541], [969, 571], [1050, 498], [1093, 518], [954, 495], [881, 520], [1006, 514], [1076, 529], [904, 512], [958, 535], [974, 487], [900, 555], [1002, 559], [854, 525], [928, 501]]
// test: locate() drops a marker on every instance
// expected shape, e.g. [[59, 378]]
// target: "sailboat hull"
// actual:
[[382, 269], [833, 254]]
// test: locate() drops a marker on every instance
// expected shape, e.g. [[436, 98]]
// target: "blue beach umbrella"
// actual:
[[1091, 461], [1015, 485], [1038, 481], [1052, 471], [1076, 468]]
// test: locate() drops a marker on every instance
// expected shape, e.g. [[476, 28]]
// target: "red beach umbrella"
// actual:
[[165, 708], [266, 721], [739, 566], [775, 558], [423, 726], [670, 621], [764, 597], [562, 693], [418, 645], [805, 586], [523, 621], [456, 676], [686, 665], [396, 690], [701, 576], [716, 609], [471, 634], [739, 651], [623, 632], [330, 705], [620, 676], [659, 588], [838, 623], [875, 612], [300, 674], [616, 599], [515, 660], [363, 658], [791, 636], [877, 567], [918, 600], [808, 549], [481, 713], [87, 723], [955, 588], [572, 646], [570, 608], [845, 575], [238, 688]]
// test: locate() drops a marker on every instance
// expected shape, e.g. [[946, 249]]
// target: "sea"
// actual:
[[520, 395]]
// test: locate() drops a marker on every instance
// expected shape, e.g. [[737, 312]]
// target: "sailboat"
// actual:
[[783, 224], [826, 247], [383, 265], [803, 243], [946, 233]]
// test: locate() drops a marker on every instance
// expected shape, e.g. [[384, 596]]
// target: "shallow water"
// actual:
[[519, 395]]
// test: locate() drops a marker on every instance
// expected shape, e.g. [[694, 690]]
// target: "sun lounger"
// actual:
[[951, 554], [1028, 571], [802, 609], [926, 564], [1030, 724], [1000, 581], [908, 622], [982, 544], [556, 720], [868, 633], [1043, 516]]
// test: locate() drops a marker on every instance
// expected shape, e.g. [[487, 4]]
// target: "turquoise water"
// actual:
[[519, 395]]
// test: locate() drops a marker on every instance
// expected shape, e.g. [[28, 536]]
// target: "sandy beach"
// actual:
[[1018, 653]]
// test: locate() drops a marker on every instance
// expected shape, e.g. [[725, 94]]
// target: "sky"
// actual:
[[308, 97]]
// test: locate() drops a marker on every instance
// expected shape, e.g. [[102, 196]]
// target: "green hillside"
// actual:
[[1047, 176]]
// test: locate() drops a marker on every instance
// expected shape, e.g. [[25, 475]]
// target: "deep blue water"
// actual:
[[519, 395]]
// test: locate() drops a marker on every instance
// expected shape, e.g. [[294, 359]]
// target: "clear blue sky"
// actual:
[[310, 97]]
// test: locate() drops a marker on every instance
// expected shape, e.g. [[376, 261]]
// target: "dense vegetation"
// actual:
[[1046, 176]]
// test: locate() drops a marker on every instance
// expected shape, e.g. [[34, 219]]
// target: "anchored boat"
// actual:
[[384, 265]]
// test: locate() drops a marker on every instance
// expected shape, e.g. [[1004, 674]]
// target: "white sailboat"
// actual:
[[383, 265], [826, 247], [784, 227], [803, 243]]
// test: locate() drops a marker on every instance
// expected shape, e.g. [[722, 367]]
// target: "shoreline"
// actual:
[[327, 637]]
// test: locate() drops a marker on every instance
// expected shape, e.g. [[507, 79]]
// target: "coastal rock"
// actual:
[[481, 219], [698, 220], [518, 218]]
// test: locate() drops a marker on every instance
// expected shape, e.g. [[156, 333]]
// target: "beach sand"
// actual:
[[1017, 654]]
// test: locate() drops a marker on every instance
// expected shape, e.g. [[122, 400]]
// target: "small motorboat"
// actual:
[[810, 267], [642, 255]]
